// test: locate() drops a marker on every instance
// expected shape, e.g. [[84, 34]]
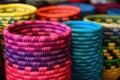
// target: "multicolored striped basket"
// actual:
[[111, 42], [112, 64], [12, 13], [87, 57], [37, 50]]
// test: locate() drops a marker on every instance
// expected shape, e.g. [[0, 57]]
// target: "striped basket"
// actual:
[[111, 44]]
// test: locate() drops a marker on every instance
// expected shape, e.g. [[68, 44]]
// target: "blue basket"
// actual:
[[86, 50], [86, 9], [114, 11]]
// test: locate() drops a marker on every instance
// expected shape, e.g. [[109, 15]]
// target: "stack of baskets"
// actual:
[[111, 44], [38, 50], [87, 57], [59, 13], [11, 13]]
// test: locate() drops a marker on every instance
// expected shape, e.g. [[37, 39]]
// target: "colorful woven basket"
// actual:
[[112, 64], [38, 50], [111, 72], [58, 13], [111, 42], [87, 58], [12, 13]]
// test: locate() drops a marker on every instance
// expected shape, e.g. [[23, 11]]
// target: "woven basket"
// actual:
[[111, 46]]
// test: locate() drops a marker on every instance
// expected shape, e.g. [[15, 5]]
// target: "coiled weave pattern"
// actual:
[[87, 57], [38, 50], [12, 13], [111, 44]]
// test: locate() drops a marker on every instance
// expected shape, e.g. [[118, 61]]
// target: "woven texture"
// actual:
[[38, 50], [111, 45], [87, 59], [58, 13], [111, 64], [12, 13]]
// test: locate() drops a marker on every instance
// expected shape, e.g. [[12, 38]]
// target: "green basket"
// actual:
[[107, 21]]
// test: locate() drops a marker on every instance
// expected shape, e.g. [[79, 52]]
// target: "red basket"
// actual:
[[102, 8]]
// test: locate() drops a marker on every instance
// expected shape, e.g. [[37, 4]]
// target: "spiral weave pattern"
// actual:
[[87, 58], [38, 50], [12, 13], [111, 44]]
